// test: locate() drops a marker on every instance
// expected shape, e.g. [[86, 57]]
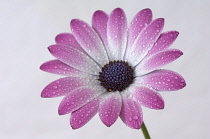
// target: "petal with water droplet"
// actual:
[[163, 80], [79, 97], [117, 34], [74, 58], [139, 22], [131, 113], [83, 115], [62, 86], [89, 41], [110, 107], [99, 23], [145, 41], [157, 60], [165, 40], [147, 97], [58, 67], [68, 39]]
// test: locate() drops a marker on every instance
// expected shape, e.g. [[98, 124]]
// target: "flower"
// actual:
[[112, 69]]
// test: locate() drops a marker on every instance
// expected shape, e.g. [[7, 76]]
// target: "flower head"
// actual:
[[112, 68]]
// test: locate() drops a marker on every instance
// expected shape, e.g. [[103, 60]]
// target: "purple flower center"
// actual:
[[116, 76]]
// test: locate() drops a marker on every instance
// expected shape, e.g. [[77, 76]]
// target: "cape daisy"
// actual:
[[112, 69]]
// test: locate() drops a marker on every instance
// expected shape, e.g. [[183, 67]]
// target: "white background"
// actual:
[[27, 27]]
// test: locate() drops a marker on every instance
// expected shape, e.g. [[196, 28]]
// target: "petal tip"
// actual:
[[177, 33], [43, 94], [162, 106], [50, 48], [60, 111], [108, 124], [60, 37], [183, 83], [179, 52], [119, 11], [41, 67], [74, 127], [174, 35], [73, 22], [57, 37], [147, 10], [161, 20], [98, 12]]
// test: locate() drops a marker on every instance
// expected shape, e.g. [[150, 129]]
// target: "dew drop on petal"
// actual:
[[135, 117], [55, 87]]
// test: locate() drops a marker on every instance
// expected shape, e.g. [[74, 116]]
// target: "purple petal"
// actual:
[[157, 60], [163, 80], [165, 40], [131, 113], [78, 98], [99, 23], [74, 58], [68, 39], [110, 108], [147, 97], [139, 22], [83, 115], [145, 41], [117, 34], [89, 41], [62, 86], [58, 67]]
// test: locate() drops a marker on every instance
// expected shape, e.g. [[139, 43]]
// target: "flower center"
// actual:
[[116, 76]]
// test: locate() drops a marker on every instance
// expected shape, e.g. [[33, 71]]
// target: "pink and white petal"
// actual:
[[165, 40], [68, 39], [117, 34], [62, 86], [89, 41], [162, 80], [74, 58], [147, 97], [131, 113], [80, 97], [139, 22], [145, 41], [157, 60], [99, 23], [83, 115], [110, 107], [58, 67]]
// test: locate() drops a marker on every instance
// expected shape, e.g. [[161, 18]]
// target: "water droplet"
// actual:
[[135, 117], [182, 81]]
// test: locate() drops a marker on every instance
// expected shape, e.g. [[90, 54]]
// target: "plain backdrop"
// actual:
[[28, 27]]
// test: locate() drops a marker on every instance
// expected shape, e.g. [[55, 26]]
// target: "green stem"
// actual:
[[145, 132]]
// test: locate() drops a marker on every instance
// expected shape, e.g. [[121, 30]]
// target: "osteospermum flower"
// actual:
[[112, 68]]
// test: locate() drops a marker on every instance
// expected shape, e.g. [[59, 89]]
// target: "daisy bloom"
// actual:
[[112, 68]]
